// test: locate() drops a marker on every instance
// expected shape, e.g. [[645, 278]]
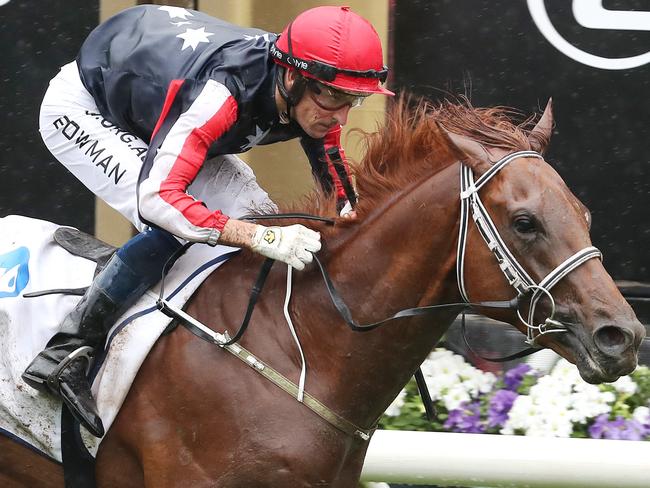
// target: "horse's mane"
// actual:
[[409, 147]]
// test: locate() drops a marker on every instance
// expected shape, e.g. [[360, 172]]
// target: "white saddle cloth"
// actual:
[[31, 261]]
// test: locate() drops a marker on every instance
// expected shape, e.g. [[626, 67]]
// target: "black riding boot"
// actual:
[[63, 366]]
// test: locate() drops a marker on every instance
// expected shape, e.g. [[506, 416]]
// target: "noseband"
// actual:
[[517, 277]]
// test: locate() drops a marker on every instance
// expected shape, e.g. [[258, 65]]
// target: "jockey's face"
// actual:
[[316, 118]]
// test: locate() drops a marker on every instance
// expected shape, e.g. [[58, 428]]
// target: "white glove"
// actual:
[[293, 245], [347, 208]]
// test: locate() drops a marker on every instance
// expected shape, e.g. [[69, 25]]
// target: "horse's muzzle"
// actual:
[[615, 352], [614, 341]]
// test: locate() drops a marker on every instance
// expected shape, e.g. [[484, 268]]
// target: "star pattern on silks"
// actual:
[[176, 12], [178, 24], [193, 37], [257, 36], [253, 139]]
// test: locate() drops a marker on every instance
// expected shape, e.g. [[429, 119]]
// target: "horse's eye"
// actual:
[[524, 224]]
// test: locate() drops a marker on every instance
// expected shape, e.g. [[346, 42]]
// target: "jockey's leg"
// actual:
[[62, 367], [101, 155], [107, 160]]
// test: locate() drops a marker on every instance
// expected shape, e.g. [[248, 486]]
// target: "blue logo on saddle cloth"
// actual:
[[14, 272]]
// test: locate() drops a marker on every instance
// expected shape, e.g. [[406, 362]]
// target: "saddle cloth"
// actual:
[[31, 261]]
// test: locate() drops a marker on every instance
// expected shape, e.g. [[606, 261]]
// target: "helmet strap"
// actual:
[[290, 96]]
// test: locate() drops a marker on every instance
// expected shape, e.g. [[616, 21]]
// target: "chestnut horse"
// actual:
[[196, 416]]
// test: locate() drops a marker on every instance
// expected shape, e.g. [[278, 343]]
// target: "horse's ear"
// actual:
[[468, 151], [541, 134]]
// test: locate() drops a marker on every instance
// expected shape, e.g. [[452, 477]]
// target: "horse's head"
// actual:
[[541, 237]]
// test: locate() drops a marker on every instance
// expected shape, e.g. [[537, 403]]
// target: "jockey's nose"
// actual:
[[341, 115]]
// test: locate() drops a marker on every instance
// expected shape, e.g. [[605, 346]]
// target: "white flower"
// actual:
[[588, 401], [452, 380], [479, 382], [558, 425], [566, 372], [440, 385], [455, 397], [394, 408], [556, 402], [626, 385], [642, 415], [534, 420], [440, 352], [522, 416]]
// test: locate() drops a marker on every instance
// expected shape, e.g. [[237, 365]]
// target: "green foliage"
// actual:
[[642, 396], [412, 414]]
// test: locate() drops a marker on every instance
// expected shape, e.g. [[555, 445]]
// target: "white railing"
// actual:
[[482, 460]]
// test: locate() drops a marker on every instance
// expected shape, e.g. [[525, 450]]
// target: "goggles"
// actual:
[[331, 99]]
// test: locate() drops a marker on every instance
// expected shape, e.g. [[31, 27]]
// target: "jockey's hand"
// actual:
[[293, 245], [347, 212]]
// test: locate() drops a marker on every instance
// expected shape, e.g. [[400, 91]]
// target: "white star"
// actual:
[[253, 139], [193, 37], [178, 24], [264, 36], [174, 12]]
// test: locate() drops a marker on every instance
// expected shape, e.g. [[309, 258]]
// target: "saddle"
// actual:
[[84, 245]]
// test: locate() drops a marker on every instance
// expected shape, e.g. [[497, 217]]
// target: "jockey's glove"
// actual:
[[346, 209], [293, 244]]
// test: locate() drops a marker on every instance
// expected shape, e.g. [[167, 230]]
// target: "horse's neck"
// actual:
[[401, 256]]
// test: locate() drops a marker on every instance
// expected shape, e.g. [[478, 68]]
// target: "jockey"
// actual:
[[153, 93]]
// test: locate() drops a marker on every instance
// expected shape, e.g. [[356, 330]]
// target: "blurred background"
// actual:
[[592, 58]]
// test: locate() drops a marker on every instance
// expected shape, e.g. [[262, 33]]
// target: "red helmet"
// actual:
[[334, 46]]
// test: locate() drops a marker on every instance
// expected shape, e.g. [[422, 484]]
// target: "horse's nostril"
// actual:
[[612, 340]]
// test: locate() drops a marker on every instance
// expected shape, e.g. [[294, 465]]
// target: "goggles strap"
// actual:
[[320, 70]]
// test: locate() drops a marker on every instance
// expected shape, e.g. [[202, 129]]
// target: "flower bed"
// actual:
[[523, 402]]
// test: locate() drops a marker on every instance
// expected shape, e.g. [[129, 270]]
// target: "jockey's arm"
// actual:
[[178, 149]]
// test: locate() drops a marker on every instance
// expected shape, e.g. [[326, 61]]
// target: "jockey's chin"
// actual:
[[318, 130]]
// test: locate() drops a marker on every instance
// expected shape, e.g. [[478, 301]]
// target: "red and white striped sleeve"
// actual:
[[163, 199]]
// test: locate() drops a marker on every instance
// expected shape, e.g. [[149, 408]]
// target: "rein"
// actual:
[[512, 270]]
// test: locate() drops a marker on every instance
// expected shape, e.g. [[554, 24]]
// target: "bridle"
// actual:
[[518, 278]]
